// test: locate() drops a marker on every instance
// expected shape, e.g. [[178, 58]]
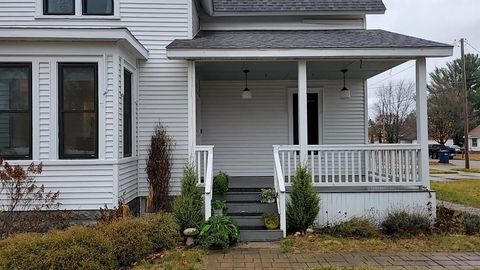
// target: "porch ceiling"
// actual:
[[287, 70]]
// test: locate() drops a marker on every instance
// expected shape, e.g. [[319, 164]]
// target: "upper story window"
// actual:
[[16, 110], [59, 7], [78, 8], [97, 7]]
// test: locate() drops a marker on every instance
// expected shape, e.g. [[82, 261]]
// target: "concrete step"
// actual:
[[251, 208], [239, 197], [245, 221], [256, 235]]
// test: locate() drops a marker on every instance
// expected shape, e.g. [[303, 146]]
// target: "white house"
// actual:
[[84, 82], [473, 137]]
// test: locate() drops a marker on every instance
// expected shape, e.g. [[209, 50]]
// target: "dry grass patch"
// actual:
[[473, 156], [437, 171], [434, 243], [191, 259], [466, 192], [471, 170]]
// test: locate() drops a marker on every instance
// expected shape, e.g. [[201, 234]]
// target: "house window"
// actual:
[[127, 114], [78, 110], [97, 7], [59, 7], [16, 110], [474, 142]]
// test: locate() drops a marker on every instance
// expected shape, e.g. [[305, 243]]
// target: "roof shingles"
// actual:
[[307, 39], [298, 5]]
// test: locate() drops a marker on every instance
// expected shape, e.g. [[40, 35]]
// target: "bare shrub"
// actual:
[[159, 166], [22, 199]]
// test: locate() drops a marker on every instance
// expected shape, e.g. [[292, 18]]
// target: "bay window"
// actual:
[[16, 110], [78, 110]]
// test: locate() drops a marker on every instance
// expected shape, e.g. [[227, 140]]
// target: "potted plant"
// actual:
[[220, 184], [272, 220], [218, 207], [268, 195]]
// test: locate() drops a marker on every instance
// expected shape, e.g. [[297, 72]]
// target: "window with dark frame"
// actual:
[[127, 114], [78, 110], [474, 142], [59, 7], [16, 110], [98, 7]]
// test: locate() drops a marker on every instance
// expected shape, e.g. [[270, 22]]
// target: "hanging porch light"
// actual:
[[344, 93], [246, 94]]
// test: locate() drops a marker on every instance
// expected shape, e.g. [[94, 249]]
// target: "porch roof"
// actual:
[[305, 43]]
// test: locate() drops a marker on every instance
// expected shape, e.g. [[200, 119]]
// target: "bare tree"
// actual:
[[396, 102], [444, 113]]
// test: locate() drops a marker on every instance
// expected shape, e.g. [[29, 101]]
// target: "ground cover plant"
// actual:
[[218, 232], [466, 192]]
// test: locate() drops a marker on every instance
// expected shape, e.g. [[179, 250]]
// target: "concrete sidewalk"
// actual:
[[245, 257]]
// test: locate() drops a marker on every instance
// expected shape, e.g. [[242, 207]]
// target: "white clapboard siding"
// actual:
[[336, 207], [128, 179], [81, 187], [162, 82], [109, 110], [44, 109], [244, 131]]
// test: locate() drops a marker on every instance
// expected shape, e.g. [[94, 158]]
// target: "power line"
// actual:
[[393, 75], [471, 46]]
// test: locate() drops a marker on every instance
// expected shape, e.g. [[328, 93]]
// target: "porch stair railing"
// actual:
[[280, 189], [204, 167]]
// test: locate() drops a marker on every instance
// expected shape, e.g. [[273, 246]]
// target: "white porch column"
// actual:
[[192, 118], [302, 111], [422, 120]]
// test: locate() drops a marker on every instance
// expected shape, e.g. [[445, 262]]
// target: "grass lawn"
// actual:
[[437, 171], [434, 243], [190, 259], [472, 170], [466, 192]]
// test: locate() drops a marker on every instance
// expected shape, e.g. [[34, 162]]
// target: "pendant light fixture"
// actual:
[[344, 93], [246, 94]]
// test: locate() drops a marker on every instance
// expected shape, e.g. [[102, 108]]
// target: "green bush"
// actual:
[[188, 207], [188, 213], [164, 230], [219, 232], [303, 207], [220, 183], [355, 228], [130, 238], [75, 248], [404, 223], [472, 224]]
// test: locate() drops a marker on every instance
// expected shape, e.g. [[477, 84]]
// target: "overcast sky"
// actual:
[[439, 20]]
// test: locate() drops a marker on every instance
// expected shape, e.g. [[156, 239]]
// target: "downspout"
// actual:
[[207, 6]]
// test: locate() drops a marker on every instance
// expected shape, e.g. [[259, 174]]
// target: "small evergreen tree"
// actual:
[[303, 207], [187, 207]]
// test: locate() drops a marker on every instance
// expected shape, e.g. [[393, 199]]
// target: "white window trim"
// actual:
[[54, 125], [78, 12], [321, 106], [132, 69]]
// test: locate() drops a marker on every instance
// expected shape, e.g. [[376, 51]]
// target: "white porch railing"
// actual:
[[355, 165], [204, 167], [280, 189]]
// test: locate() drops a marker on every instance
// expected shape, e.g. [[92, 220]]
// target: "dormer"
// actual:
[[286, 14]]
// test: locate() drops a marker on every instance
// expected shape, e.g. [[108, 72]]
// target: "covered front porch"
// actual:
[[299, 115]]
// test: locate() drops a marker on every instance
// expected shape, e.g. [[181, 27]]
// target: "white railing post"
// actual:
[[280, 189], [205, 168], [422, 120]]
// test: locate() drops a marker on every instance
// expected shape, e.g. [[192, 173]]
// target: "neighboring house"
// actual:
[[83, 84], [412, 138], [473, 138]]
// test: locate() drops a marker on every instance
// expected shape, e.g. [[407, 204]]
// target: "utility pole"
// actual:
[[465, 92]]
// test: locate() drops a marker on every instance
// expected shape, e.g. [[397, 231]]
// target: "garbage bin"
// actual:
[[444, 156]]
